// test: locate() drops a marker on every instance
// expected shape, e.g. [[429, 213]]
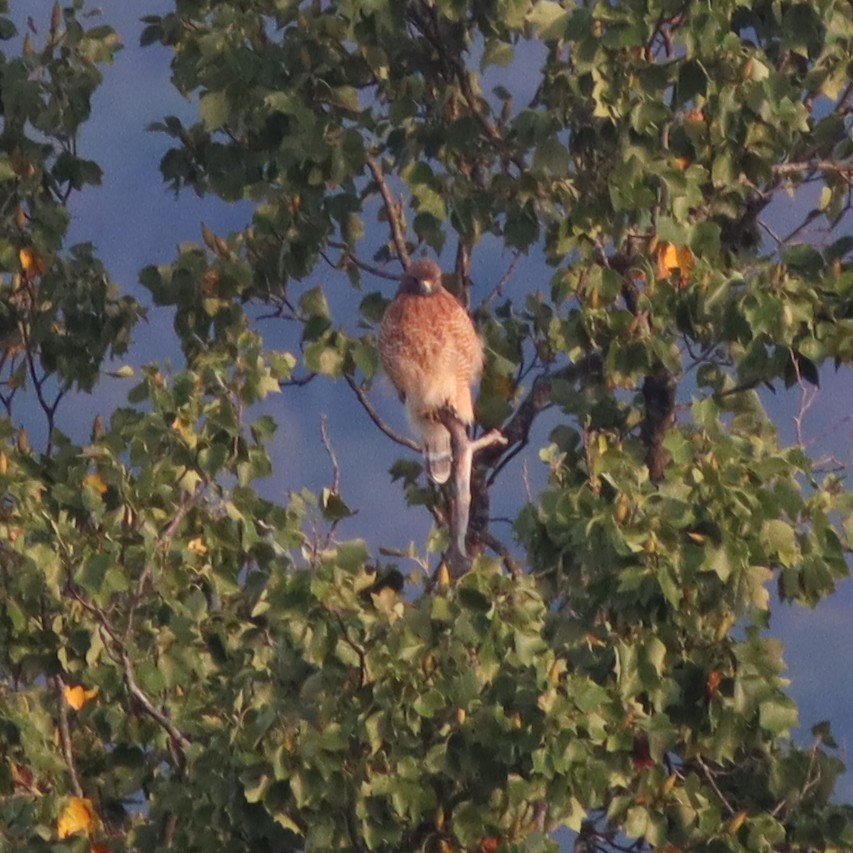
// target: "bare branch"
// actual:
[[117, 650], [391, 210], [808, 395], [349, 257], [497, 290], [163, 543], [495, 544], [298, 382], [461, 501], [463, 457], [374, 416], [463, 272], [330, 451], [65, 735], [177, 736], [809, 166], [713, 783], [516, 430]]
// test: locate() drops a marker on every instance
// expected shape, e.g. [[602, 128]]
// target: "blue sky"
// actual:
[[134, 220]]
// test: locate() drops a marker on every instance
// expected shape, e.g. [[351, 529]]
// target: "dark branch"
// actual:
[[391, 209], [659, 398], [497, 290], [349, 258], [517, 429], [374, 416]]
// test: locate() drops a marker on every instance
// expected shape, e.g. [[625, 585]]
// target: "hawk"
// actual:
[[433, 355]]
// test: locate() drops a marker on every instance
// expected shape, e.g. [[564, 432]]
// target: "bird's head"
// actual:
[[422, 277]]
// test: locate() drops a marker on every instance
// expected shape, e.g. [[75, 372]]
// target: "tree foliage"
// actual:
[[185, 665]]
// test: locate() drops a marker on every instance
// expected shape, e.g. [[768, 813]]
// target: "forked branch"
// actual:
[[463, 459]]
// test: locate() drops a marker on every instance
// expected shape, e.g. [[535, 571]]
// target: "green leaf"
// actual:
[[780, 540], [497, 53], [549, 19], [214, 109], [778, 716], [551, 158]]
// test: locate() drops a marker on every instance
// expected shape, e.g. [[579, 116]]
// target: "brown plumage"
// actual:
[[433, 355]]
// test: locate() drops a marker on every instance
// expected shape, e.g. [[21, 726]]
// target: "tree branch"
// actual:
[[374, 416], [713, 783], [463, 457], [497, 290], [659, 398], [110, 638], [391, 209], [130, 679], [330, 452], [516, 430], [808, 166], [495, 544], [349, 257], [65, 735]]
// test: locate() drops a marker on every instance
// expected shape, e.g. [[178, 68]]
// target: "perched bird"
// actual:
[[433, 355]]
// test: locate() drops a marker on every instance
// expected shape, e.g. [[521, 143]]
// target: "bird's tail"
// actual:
[[437, 453]]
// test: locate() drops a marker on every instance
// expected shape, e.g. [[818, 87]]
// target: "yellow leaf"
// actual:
[[667, 259], [95, 481], [184, 429], [387, 601], [557, 668], [736, 822], [77, 816], [671, 257], [442, 576], [4, 463], [682, 163], [197, 546], [30, 261], [209, 237], [78, 696]]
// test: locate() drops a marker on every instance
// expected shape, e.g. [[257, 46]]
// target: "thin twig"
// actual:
[[497, 290], [773, 235], [163, 543], [808, 395], [298, 382], [373, 269], [65, 736], [390, 209], [330, 451], [713, 783], [119, 654], [374, 416], [177, 736]]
